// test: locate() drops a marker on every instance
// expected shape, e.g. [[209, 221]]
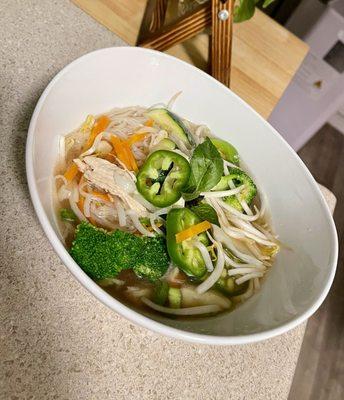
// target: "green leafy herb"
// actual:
[[67, 215], [244, 9], [206, 169], [267, 3], [206, 213]]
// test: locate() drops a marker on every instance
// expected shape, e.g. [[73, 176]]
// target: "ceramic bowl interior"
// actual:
[[304, 269]]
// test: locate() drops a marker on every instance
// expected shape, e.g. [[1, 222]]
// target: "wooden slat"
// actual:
[[153, 19], [221, 41], [158, 16], [186, 28], [265, 56]]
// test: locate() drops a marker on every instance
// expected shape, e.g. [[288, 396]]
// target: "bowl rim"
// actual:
[[114, 304]]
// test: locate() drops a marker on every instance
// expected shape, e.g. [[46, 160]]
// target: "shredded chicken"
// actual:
[[102, 173]]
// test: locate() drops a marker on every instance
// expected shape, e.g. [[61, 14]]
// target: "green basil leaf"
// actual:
[[206, 213], [244, 10], [190, 196], [206, 169]]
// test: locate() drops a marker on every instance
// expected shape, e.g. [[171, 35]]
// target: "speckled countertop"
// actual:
[[58, 341]]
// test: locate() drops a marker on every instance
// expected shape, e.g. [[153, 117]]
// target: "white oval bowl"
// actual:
[[300, 278]]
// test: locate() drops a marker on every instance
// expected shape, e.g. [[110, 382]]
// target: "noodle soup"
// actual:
[[162, 213]]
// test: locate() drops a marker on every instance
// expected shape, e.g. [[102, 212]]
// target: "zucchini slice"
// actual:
[[174, 297], [171, 123]]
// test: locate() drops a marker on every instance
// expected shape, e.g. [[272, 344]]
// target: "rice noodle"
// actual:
[[180, 144], [181, 153], [87, 206], [249, 292], [241, 201], [73, 199], [223, 193], [222, 237], [232, 263], [104, 222], [267, 233], [132, 214], [244, 270], [94, 146], [57, 177], [198, 310], [245, 206], [63, 193], [121, 214], [173, 99], [256, 238], [231, 165], [205, 255], [154, 226], [247, 277], [216, 274], [237, 213]]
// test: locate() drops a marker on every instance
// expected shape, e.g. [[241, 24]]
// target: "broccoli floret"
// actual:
[[153, 260], [239, 178], [104, 255], [95, 251]]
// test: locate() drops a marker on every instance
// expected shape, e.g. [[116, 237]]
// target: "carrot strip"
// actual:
[[71, 172], [131, 157], [100, 125], [120, 151], [192, 231], [149, 122], [137, 137], [81, 203]]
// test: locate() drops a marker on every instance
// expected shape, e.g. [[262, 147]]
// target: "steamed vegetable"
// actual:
[[171, 123], [185, 255], [152, 259], [192, 231], [174, 297], [206, 170], [228, 286], [66, 214], [205, 212], [190, 298], [165, 144], [238, 177], [227, 151], [104, 255], [162, 177], [122, 150], [160, 294]]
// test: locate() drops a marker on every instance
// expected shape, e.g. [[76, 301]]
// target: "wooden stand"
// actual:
[[219, 13]]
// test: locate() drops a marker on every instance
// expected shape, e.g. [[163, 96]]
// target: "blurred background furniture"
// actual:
[[265, 56], [218, 14], [316, 94]]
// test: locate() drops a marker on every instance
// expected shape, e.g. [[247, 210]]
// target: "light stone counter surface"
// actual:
[[58, 341]]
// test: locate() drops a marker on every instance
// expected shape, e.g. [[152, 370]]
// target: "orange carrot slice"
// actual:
[[192, 231], [137, 137]]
